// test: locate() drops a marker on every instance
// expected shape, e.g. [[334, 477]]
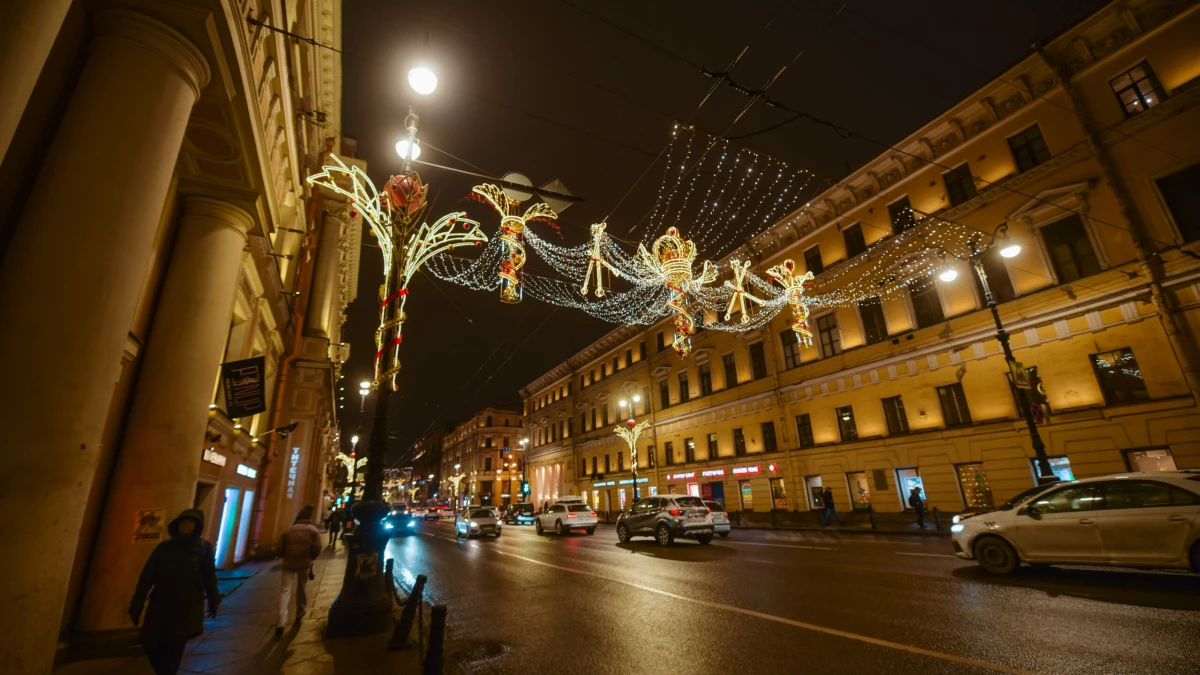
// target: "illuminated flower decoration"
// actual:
[[407, 193]]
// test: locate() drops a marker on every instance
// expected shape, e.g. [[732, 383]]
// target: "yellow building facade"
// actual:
[[485, 451], [1087, 151]]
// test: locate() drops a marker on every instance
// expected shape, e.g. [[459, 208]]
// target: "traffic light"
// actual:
[[525, 487]]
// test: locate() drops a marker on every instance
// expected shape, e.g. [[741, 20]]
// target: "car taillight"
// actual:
[[572, 515], [676, 512], [593, 514], [710, 510]]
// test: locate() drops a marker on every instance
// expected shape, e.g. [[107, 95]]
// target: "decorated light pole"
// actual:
[[630, 432]]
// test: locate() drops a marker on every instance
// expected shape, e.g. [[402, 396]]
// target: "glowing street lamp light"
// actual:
[[422, 80], [948, 274]]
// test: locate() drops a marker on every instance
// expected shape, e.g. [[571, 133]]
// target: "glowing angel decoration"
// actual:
[[794, 286], [670, 261], [393, 217], [512, 227], [738, 286], [597, 263]]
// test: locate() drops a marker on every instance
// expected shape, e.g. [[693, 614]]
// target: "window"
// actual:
[[874, 323], [730, 367], [927, 304], [614, 366], [804, 431], [831, 337], [712, 445], [1059, 466], [607, 465], [1070, 250], [902, 215], [487, 442], [1070, 499], [645, 400], [860, 490], [1029, 148], [1183, 200], [1119, 376], [758, 360], [604, 413], [791, 348], [846, 425], [1144, 494], [855, 244], [1149, 461], [593, 375], [570, 428], [664, 394], [998, 280], [487, 463], [954, 405], [650, 455], [603, 370], [658, 341], [642, 350], [582, 381], [593, 418], [768, 436], [812, 260], [582, 422], [705, 379], [489, 421], [1137, 89], [960, 185], [669, 452], [685, 391], [689, 450], [893, 412], [620, 461], [977, 492], [629, 357], [739, 443]]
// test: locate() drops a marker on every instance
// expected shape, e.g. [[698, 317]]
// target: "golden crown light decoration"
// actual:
[[406, 246], [793, 286], [670, 262], [512, 228]]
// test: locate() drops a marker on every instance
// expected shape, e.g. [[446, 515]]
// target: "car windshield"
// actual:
[[482, 513], [578, 508], [525, 508], [715, 507], [689, 501]]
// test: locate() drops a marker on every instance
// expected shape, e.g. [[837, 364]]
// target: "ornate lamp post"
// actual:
[[630, 432]]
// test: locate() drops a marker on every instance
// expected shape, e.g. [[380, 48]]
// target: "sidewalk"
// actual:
[[241, 640]]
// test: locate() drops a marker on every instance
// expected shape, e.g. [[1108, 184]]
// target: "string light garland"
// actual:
[[512, 227]]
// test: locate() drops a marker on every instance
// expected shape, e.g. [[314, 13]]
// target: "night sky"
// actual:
[[545, 89]]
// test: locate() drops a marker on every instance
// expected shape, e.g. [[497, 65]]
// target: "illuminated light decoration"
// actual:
[[670, 262], [246, 471], [740, 296], [682, 476], [213, 457], [743, 470], [771, 467], [596, 262], [712, 473], [393, 217], [512, 227], [794, 285], [630, 433]]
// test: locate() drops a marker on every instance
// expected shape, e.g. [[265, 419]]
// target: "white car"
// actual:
[[720, 518], [477, 521], [1124, 520], [565, 516]]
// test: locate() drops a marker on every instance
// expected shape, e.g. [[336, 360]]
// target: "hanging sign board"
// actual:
[[244, 383]]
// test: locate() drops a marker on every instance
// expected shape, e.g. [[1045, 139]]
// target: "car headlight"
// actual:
[[388, 525], [956, 519], [412, 523], [957, 527], [474, 526]]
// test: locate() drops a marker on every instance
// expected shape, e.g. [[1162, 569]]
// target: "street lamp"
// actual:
[[422, 80], [630, 432], [1008, 249]]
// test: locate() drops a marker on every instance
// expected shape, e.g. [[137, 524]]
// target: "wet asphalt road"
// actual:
[[772, 602]]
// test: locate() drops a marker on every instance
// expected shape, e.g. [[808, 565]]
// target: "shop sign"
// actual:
[[245, 388], [743, 470], [606, 483], [713, 473], [246, 471], [213, 457], [629, 481], [293, 469], [682, 476]]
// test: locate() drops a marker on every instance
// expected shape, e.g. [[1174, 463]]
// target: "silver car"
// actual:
[[665, 518], [477, 521], [720, 519]]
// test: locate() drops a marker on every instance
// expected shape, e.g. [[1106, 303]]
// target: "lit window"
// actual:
[[1137, 89], [1119, 376]]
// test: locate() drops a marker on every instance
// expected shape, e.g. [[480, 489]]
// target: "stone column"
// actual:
[[26, 35], [159, 459], [69, 286], [323, 305]]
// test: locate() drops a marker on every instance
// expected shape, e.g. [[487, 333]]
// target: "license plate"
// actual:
[[694, 516]]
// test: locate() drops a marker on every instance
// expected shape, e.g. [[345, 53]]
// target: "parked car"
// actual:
[[667, 517], [566, 516], [477, 521], [399, 522], [720, 518], [1124, 520], [520, 514]]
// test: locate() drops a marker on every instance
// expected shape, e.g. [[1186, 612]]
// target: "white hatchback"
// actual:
[[1126, 520], [477, 521], [566, 516]]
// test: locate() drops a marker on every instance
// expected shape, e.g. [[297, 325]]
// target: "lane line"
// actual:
[[791, 622], [927, 555]]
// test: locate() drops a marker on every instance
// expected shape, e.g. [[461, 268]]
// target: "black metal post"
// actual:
[[437, 640]]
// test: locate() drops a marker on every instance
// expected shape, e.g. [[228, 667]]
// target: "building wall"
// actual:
[[488, 456]]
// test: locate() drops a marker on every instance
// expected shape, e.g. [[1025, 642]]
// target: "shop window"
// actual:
[[812, 260], [1029, 149], [998, 280], [954, 405], [893, 412], [906, 480], [791, 348], [689, 450], [927, 304], [860, 490], [1070, 250], [664, 394], [747, 495], [830, 336], [669, 452], [730, 367], [758, 360], [874, 323], [804, 431], [1059, 466], [1150, 460], [778, 495], [768, 437], [685, 392], [659, 342], [846, 425], [977, 492], [1183, 200], [960, 184], [901, 213], [712, 445], [705, 379], [1137, 89], [855, 244], [739, 443], [1119, 376]]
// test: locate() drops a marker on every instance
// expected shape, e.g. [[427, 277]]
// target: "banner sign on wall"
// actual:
[[245, 387], [148, 526]]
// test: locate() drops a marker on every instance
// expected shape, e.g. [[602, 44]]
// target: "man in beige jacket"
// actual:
[[301, 544]]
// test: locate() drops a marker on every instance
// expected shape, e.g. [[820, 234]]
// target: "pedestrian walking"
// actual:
[[918, 505], [180, 572], [545, 506], [334, 523], [301, 544], [830, 509]]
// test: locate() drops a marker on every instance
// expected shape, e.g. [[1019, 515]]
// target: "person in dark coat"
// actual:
[[335, 525], [181, 571], [830, 509], [918, 505]]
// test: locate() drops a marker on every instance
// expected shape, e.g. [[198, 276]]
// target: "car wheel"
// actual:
[[537, 525], [558, 528], [704, 539], [591, 531], [622, 533], [996, 556], [723, 534], [663, 535]]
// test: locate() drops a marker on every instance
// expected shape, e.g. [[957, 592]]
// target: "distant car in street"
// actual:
[[520, 514], [720, 518], [477, 521], [399, 522], [1144, 520], [667, 517], [431, 514], [565, 516], [445, 512]]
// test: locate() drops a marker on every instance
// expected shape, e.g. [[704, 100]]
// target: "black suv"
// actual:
[[666, 517]]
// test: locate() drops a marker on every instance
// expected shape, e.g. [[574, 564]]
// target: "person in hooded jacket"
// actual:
[[301, 544], [180, 572]]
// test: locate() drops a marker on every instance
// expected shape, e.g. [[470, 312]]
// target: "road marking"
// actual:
[[791, 622], [928, 555]]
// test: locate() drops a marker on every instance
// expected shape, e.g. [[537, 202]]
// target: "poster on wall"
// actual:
[[244, 383], [148, 526]]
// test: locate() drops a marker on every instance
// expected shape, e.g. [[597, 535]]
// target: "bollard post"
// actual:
[[937, 518], [404, 628], [389, 580], [437, 638], [871, 512]]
